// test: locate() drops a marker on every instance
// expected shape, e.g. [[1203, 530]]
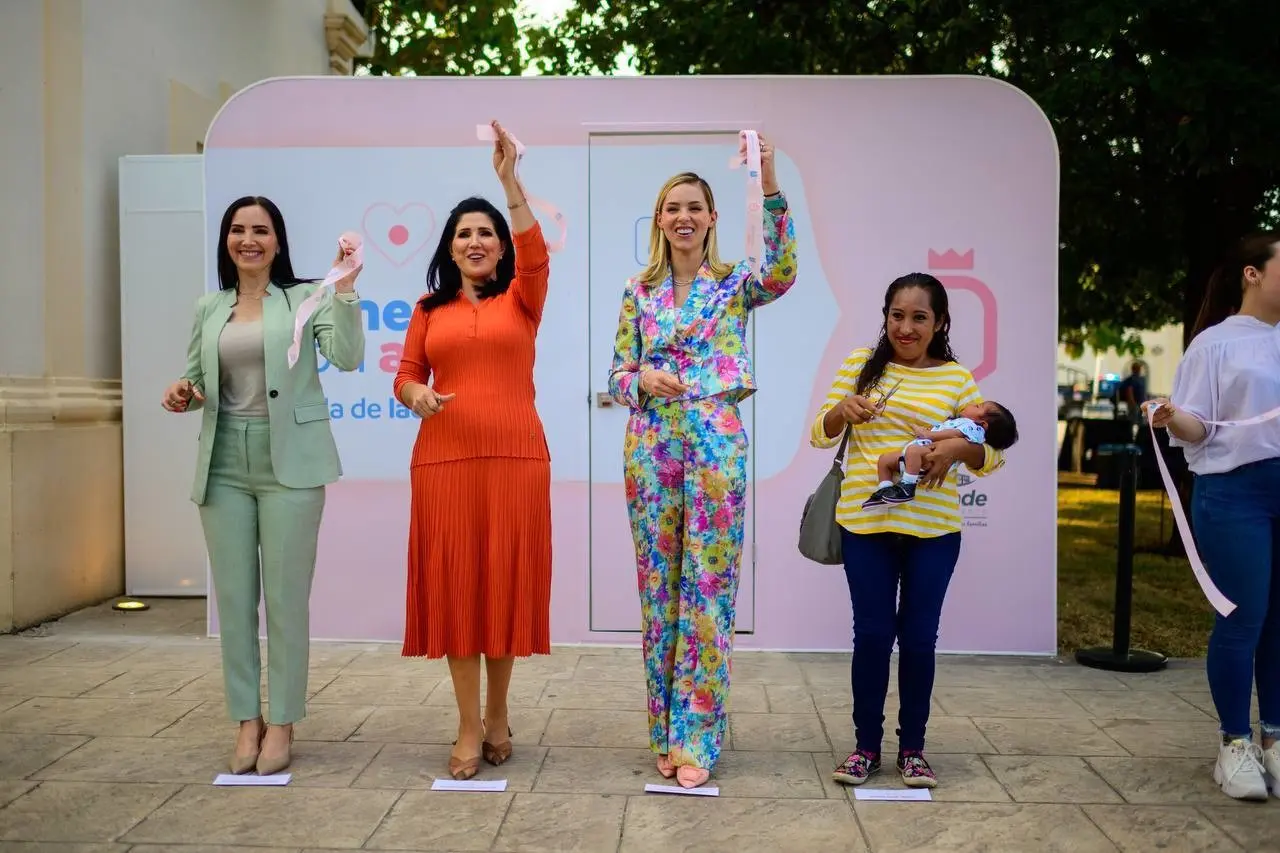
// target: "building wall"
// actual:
[[22, 181], [82, 83], [140, 52]]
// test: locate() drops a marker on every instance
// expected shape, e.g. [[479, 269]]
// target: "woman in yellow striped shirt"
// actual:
[[910, 379]]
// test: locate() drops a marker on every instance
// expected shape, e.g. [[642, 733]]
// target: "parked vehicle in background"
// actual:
[[1079, 398]]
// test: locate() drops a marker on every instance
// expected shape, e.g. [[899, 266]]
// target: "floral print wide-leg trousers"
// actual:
[[686, 478]]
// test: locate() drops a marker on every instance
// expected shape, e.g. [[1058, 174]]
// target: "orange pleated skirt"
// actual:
[[479, 559]]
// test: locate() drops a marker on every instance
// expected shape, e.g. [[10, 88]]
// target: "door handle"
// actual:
[[603, 400]]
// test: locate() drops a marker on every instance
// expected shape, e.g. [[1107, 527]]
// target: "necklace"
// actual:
[[250, 295], [678, 283]]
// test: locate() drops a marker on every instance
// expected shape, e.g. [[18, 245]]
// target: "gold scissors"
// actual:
[[884, 400]]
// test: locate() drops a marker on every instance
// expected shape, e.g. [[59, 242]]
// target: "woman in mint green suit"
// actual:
[[266, 453]]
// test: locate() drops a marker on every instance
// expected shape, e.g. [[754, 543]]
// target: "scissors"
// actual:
[[885, 399]]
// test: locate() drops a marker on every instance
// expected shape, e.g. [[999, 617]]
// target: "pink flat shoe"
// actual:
[[665, 767], [692, 777]]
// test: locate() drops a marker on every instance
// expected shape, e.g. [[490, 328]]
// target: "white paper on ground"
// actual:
[[898, 794], [676, 789], [229, 779], [485, 785]]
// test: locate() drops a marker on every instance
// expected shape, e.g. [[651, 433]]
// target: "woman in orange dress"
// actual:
[[480, 528]]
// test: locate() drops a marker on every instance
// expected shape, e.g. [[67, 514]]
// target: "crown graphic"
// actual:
[[950, 260]]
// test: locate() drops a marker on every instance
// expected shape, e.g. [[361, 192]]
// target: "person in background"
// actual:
[[899, 562], [1133, 393], [266, 453], [1231, 372], [681, 366], [479, 580]]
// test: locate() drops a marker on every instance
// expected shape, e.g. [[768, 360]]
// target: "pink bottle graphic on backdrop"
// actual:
[[953, 269]]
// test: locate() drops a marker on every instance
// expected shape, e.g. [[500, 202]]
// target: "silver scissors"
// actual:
[[885, 399]]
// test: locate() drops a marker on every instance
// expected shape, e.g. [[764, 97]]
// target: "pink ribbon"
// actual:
[[1219, 601], [749, 155], [352, 260], [486, 133]]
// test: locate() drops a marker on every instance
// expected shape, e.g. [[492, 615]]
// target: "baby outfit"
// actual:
[[968, 428], [902, 492]]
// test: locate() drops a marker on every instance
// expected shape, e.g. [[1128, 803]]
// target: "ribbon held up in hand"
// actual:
[[1219, 601], [352, 260], [749, 155], [485, 133]]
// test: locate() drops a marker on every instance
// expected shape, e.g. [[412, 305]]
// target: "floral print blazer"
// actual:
[[704, 341]]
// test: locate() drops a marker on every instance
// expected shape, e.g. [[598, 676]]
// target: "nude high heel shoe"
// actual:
[[242, 762], [270, 763]]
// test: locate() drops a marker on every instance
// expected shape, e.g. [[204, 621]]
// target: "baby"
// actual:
[[982, 423]]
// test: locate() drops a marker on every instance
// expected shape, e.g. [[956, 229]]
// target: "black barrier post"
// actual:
[[1120, 657]]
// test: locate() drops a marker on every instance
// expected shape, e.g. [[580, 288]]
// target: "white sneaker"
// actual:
[[1271, 763], [1239, 770]]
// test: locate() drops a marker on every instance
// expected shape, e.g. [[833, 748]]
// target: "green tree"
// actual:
[[1163, 110], [438, 37]]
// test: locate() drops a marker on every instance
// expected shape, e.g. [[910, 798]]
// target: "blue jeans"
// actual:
[[877, 565], [1237, 521]]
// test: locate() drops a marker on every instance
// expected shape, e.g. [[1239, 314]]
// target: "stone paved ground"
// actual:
[[112, 729]]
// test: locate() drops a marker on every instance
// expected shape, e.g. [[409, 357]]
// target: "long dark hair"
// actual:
[[281, 266], [1225, 291], [939, 346], [444, 279]]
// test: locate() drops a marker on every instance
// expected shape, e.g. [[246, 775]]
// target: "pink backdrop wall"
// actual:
[[954, 175]]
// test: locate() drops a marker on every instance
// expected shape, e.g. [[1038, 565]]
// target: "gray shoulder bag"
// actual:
[[819, 533]]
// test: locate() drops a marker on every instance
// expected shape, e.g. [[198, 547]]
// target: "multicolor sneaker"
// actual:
[[877, 500], [916, 772], [857, 768], [900, 493]]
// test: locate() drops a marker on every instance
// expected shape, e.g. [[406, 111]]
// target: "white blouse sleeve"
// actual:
[[1195, 389]]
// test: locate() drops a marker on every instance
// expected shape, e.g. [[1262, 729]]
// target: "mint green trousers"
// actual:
[[261, 536]]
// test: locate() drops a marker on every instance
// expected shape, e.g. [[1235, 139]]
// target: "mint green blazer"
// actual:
[[303, 452]]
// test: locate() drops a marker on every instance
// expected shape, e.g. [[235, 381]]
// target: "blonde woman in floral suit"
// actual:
[[681, 365]]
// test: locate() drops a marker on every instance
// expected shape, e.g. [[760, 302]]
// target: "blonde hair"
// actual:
[[660, 251]]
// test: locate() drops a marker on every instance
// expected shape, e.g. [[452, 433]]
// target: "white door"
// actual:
[[625, 174]]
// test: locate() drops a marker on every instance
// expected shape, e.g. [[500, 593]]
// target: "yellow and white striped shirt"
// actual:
[[926, 396]]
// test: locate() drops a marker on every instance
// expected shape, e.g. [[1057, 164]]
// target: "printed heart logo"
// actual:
[[399, 233]]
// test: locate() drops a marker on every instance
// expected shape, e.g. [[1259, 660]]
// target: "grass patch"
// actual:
[[1170, 613]]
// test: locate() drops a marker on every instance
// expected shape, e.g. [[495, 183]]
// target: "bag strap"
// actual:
[[844, 442]]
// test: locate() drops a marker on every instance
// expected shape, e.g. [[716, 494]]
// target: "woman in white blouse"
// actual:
[[1231, 372]]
